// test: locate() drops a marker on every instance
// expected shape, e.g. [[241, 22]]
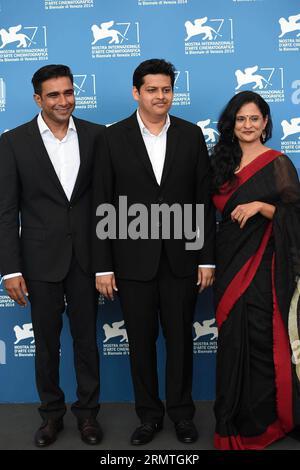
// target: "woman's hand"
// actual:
[[243, 212]]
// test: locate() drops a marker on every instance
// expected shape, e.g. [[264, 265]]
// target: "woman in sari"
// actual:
[[256, 189]]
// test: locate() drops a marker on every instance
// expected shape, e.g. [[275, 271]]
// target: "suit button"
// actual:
[[160, 200], [69, 235], [70, 208]]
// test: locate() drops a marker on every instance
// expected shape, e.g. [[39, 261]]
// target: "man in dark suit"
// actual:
[[45, 178], [153, 158]]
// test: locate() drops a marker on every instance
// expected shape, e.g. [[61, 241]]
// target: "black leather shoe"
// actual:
[[145, 433], [90, 431], [47, 432], [186, 431]]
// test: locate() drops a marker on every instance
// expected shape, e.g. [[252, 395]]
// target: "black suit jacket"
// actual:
[[52, 226], [123, 168]]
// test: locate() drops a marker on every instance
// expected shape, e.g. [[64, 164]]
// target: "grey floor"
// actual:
[[18, 423]]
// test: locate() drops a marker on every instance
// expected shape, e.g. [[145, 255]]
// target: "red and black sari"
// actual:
[[257, 308]]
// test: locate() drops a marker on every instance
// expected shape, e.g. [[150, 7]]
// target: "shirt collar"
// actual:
[[144, 129], [44, 128]]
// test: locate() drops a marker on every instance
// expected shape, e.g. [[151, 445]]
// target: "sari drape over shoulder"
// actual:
[[257, 308]]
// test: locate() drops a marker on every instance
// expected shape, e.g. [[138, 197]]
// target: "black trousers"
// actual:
[[172, 301], [47, 301]]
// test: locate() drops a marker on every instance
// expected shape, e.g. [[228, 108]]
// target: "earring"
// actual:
[[263, 136]]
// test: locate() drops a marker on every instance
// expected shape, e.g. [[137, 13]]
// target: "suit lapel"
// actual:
[[137, 142], [42, 155], [172, 139], [83, 142]]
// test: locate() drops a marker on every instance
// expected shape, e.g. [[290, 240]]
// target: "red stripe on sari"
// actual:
[[282, 362], [272, 434], [283, 381], [249, 170], [241, 280]]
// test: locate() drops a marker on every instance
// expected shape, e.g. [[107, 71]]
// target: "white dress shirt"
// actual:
[[156, 145], [64, 156]]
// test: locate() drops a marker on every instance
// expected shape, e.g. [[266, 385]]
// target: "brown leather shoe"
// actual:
[[90, 431], [47, 432]]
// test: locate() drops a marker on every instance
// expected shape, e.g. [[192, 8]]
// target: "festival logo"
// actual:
[[210, 133], [85, 91], [289, 37], [69, 4], [182, 88], [115, 341], [114, 331], [116, 39], [290, 140], [267, 81], [209, 36], [206, 335], [24, 334], [2, 95], [23, 43], [290, 25]]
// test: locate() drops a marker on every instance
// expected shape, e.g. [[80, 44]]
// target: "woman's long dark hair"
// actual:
[[227, 153]]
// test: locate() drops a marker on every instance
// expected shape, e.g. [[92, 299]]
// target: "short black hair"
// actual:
[[47, 72], [153, 66]]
